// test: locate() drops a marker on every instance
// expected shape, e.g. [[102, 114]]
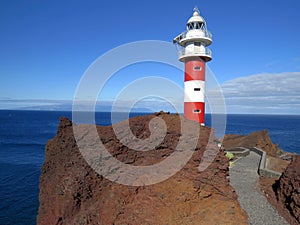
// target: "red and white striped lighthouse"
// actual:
[[194, 53]]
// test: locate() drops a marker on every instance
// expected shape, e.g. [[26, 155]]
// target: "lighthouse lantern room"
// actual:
[[194, 53]]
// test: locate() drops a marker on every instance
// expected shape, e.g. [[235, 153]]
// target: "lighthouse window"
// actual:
[[190, 26], [197, 89], [197, 68], [197, 111]]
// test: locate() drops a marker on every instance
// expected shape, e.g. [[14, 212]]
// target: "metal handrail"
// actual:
[[184, 52], [206, 33]]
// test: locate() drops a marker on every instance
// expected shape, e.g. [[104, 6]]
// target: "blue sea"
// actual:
[[23, 135]]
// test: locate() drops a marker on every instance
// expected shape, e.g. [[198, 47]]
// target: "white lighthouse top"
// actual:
[[194, 41], [196, 17]]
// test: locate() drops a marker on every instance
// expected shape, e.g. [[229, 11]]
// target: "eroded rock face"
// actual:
[[258, 139], [71, 192], [288, 188]]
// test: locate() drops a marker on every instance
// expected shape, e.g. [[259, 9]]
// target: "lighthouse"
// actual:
[[193, 51]]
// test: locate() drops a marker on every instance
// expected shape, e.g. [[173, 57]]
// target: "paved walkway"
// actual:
[[244, 178]]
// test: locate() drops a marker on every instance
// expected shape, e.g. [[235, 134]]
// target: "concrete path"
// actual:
[[244, 178]]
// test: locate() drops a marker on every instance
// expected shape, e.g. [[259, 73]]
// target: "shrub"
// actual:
[[229, 155]]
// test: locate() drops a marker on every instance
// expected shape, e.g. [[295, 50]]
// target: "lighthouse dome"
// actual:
[[196, 18]]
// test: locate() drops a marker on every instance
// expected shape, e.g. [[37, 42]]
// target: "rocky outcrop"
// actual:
[[287, 188], [71, 192], [259, 139]]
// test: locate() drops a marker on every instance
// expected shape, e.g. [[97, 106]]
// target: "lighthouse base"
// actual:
[[195, 111]]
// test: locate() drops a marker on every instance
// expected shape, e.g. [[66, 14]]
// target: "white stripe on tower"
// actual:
[[194, 91]]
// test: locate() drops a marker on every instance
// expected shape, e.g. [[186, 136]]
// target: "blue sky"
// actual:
[[46, 46]]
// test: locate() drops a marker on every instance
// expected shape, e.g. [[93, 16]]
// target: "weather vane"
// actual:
[[196, 10]]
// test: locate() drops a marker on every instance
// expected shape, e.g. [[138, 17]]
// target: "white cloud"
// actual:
[[261, 93], [264, 93]]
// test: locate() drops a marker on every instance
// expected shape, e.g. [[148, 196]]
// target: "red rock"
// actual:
[[71, 192], [258, 139], [288, 188]]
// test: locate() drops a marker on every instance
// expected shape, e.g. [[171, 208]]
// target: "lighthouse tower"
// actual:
[[194, 53]]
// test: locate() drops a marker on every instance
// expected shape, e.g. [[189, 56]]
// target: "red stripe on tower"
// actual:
[[194, 53]]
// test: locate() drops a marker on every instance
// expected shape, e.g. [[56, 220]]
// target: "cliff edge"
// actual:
[[287, 189], [260, 139], [71, 192]]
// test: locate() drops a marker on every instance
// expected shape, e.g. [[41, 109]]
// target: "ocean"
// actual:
[[23, 135]]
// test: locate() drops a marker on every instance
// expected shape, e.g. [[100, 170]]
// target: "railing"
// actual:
[[262, 167], [197, 33], [196, 52]]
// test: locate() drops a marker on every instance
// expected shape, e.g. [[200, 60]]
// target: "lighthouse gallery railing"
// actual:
[[196, 52], [197, 33]]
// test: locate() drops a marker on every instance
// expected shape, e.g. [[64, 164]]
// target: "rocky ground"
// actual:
[[260, 139], [71, 192], [284, 194]]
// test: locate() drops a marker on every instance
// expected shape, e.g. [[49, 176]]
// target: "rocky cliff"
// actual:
[[287, 188], [71, 192], [260, 139]]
